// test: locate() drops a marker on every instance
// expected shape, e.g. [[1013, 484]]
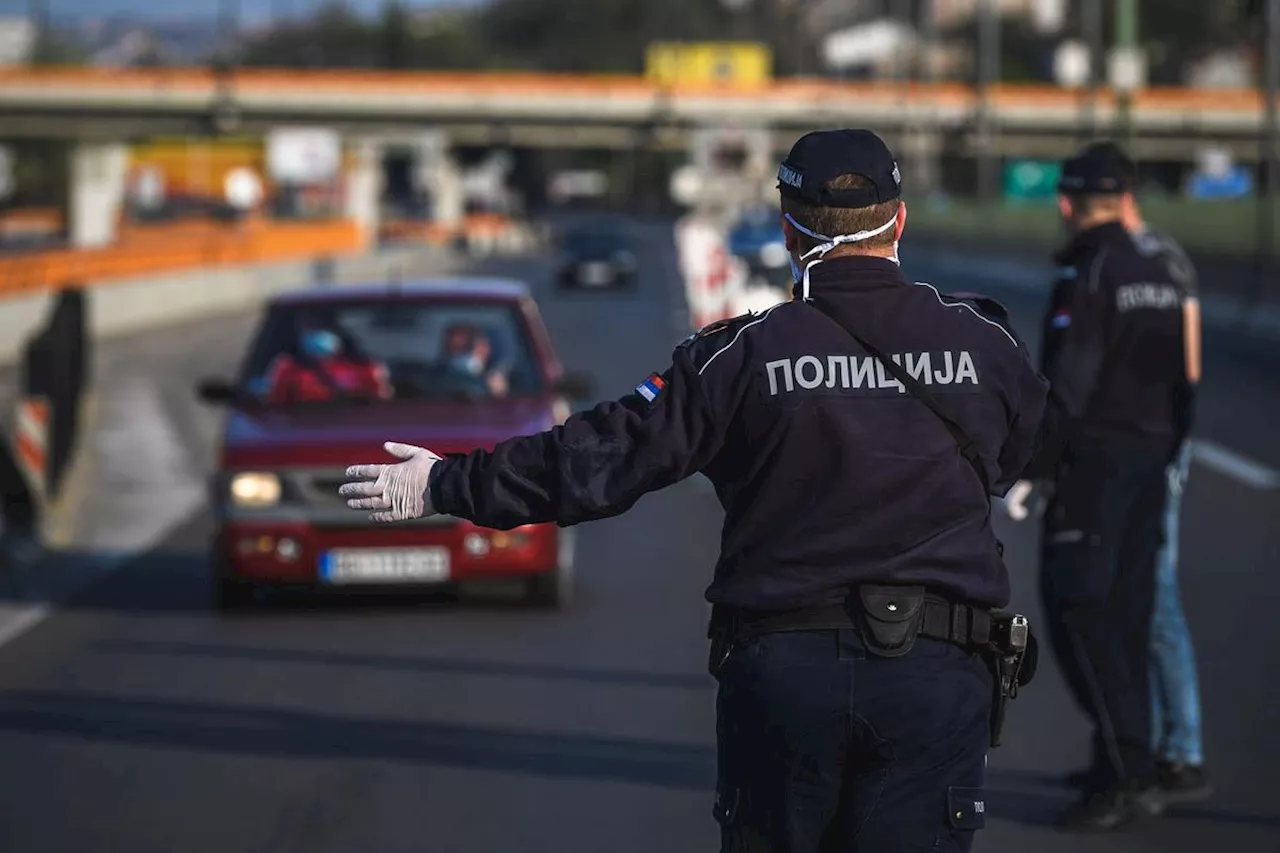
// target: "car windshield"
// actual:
[[387, 351], [595, 241], [759, 223]]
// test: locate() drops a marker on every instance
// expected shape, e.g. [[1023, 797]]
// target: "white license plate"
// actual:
[[385, 565], [597, 273]]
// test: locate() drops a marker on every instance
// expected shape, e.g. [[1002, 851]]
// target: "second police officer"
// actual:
[[1118, 413], [1175, 691], [858, 570]]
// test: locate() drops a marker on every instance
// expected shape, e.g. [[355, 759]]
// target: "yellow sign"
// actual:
[[198, 166], [731, 64]]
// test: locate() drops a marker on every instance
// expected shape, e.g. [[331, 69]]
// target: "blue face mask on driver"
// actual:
[[320, 343], [468, 363]]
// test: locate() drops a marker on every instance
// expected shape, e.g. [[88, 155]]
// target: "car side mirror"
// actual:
[[216, 391], [576, 386]]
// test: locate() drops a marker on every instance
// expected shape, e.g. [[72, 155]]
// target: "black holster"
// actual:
[[1012, 656]]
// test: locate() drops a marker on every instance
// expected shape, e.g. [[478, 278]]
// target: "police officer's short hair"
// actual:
[[833, 221]]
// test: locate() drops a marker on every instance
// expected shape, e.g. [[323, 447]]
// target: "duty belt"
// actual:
[[963, 624]]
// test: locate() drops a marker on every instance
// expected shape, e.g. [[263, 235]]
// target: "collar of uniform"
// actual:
[[851, 271], [1092, 238]]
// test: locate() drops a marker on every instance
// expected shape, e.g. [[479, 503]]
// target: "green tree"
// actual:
[[594, 35], [333, 38], [395, 32], [54, 48]]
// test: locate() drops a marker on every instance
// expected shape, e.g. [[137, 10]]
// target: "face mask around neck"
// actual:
[[801, 276]]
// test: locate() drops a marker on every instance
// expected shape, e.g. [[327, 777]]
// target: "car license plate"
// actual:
[[597, 273], [385, 565]]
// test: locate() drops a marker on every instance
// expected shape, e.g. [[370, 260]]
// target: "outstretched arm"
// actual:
[[595, 465]]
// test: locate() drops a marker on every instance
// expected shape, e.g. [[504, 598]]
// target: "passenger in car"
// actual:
[[324, 368]]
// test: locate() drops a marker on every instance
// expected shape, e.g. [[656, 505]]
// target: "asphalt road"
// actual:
[[134, 719]]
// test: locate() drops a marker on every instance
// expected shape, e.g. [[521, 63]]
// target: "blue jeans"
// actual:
[[1175, 693]]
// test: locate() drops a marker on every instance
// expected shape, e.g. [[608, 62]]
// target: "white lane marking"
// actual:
[[17, 620], [145, 470], [145, 488], [1225, 461]]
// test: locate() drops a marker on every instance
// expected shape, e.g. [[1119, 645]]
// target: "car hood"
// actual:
[[338, 435]]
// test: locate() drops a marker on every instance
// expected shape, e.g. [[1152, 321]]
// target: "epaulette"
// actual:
[[993, 308], [992, 311], [704, 344], [729, 325]]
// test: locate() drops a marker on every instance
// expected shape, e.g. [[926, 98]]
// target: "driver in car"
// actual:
[[468, 355], [324, 370]]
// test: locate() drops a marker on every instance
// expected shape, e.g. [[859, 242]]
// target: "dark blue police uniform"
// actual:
[[1118, 409], [833, 479]]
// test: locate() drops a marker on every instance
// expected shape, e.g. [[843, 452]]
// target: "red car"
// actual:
[[332, 374]]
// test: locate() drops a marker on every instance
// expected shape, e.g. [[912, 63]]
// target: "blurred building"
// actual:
[[886, 38], [1046, 16], [17, 40]]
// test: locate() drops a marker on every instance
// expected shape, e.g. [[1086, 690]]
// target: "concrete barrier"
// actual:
[[123, 306]]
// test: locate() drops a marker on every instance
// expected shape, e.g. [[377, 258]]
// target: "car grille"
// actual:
[[321, 489]]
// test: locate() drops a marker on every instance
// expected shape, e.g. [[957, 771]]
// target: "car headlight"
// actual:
[[255, 489], [773, 255]]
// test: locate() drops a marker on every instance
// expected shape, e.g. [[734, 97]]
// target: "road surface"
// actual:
[[134, 719]]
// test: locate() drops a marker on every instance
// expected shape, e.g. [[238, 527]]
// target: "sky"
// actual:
[[251, 11]]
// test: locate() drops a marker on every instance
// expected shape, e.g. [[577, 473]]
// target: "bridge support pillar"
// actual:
[[364, 189], [95, 189]]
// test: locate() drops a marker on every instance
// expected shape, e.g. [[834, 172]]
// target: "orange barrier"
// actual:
[[31, 440], [203, 81], [430, 233], [30, 220], [492, 226], [249, 243]]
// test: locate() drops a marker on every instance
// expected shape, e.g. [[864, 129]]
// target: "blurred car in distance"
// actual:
[[758, 240], [452, 365], [598, 255]]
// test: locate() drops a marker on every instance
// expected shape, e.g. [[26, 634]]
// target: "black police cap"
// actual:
[[1116, 152], [824, 155], [1097, 170]]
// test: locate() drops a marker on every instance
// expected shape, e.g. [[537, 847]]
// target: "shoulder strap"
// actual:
[[968, 448]]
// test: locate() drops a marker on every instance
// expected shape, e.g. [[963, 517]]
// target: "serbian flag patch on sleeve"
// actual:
[[1061, 318], [651, 387]]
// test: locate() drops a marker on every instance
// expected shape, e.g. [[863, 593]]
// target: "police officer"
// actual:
[[1175, 690], [1118, 410], [858, 563]]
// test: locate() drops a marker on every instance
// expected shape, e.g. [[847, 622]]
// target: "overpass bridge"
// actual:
[[599, 111]]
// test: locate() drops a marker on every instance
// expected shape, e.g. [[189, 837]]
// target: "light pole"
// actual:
[[1269, 186], [1091, 24], [1126, 60], [988, 76], [736, 9], [225, 117]]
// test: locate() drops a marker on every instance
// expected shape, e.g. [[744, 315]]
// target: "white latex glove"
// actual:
[[1015, 502], [398, 490]]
